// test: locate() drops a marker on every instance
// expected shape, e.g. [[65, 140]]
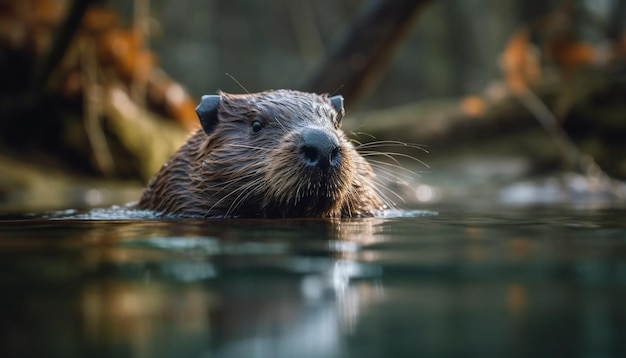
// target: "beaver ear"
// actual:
[[207, 112], [337, 102]]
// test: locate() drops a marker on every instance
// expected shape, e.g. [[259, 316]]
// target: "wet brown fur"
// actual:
[[233, 172]]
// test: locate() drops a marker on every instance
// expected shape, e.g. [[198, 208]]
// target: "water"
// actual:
[[447, 282]]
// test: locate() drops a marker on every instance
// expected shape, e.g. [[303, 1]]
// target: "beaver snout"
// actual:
[[319, 149]]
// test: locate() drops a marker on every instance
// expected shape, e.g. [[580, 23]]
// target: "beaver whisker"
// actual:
[[392, 143], [387, 167], [243, 195], [240, 190], [379, 184], [232, 185], [374, 181], [281, 189], [357, 134], [389, 156], [354, 141], [372, 145], [350, 208], [250, 147], [229, 184], [390, 176], [392, 156], [281, 125]]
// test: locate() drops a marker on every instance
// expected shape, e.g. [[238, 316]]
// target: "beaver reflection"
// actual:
[[270, 154]]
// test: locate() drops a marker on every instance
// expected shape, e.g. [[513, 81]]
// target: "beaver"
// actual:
[[278, 153]]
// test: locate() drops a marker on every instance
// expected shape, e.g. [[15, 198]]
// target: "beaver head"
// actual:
[[270, 154]]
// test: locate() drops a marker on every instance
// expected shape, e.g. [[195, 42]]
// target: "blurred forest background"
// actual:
[[95, 95]]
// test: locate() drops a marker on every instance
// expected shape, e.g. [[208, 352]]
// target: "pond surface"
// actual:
[[451, 282]]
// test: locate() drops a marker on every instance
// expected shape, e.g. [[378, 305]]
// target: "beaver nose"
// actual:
[[319, 148]]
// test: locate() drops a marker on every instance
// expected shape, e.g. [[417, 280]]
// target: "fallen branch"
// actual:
[[358, 61]]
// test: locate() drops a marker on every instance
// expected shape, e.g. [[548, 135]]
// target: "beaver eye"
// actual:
[[256, 126]]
